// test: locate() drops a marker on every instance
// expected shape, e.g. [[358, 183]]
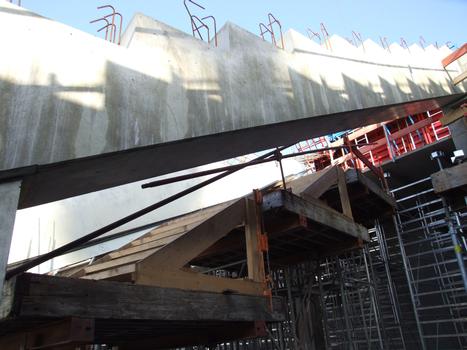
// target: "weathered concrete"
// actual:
[[94, 115], [459, 134], [9, 196]]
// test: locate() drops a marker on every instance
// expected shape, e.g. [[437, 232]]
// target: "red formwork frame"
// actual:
[[383, 142]]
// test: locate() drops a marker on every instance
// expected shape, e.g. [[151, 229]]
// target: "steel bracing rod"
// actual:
[[106, 27], [232, 167], [120, 27], [404, 44], [293, 325], [384, 252], [213, 19], [76, 243], [263, 29], [197, 27], [358, 38], [384, 43], [374, 299], [313, 34], [422, 42], [112, 32], [344, 304], [326, 38], [323, 307], [273, 20]]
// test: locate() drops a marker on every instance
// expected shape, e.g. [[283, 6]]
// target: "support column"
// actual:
[[9, 196]]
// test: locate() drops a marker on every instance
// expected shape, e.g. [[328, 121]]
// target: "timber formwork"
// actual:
[[226, 258]]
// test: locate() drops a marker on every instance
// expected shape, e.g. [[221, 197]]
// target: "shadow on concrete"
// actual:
[[140, 111]]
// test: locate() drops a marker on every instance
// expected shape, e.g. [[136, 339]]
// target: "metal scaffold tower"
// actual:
[[432, 246], [352, 301]]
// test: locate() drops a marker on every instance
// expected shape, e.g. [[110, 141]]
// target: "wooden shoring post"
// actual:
[[256, 242], [343, 193], [253, 239]]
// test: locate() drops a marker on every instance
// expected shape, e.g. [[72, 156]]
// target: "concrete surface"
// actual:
[[459, 134], [93, 115], [9, 196]]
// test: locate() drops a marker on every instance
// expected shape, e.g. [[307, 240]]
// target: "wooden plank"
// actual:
[[255, 260], [324, 215], [164, 268], [157, 235], [114, 273], [126, 260], [144, 247], [372, 186], [460, 78], [195, 281], [455, 55], [59, 297], [454, 114], [343, 193], [326, 179], [179, 253], [450, 178]]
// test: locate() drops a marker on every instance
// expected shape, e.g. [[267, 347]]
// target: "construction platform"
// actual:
[[191, 279]]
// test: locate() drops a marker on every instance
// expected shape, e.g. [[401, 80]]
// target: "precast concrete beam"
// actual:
[[9, 196], [80, 114]]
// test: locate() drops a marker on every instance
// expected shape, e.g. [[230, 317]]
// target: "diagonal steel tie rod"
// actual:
[[80, 241]]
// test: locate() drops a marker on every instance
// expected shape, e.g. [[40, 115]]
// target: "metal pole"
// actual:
[[240, 166], [343, 303], [456, 244], [409, 282]]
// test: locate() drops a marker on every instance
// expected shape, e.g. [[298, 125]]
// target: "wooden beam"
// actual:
[[38, 296], [326, 179], [324, 215], [181, 251], [166, 267], [343, 193], [455, 114], [353, 175], [58, 335], [450, 178], [255, 260]]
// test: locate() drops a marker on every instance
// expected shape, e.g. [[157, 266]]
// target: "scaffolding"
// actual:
[[433, 245]]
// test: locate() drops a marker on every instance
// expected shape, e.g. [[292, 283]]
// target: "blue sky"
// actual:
[[435, 20]]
